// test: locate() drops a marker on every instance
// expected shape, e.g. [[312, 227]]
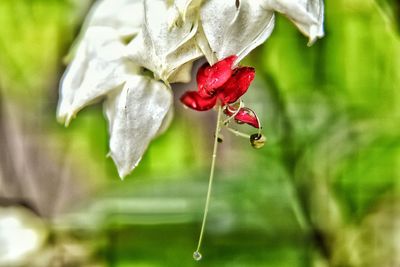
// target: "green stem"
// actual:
[[237, 133], [197, 254]]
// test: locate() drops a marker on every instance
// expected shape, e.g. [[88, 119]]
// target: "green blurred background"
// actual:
[[324, 191]]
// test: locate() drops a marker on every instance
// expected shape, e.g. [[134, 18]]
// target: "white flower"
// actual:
[[123, 39], [238, 27]]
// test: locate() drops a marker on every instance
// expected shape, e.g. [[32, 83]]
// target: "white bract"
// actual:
[[237, 27], [165, 42], [122, 40], [135, 115], [100, 65]]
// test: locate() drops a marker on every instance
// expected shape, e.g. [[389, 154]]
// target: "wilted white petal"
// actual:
[[99, 66], [233, 29], [307, 15], [107, 66], [108, 23], [135, 115], [164, 43], [124, 16]]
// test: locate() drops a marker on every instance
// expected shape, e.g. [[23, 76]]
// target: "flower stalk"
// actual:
[[197, 255], [238, 133]]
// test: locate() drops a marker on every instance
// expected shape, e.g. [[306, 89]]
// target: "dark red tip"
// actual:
[[246, 116]]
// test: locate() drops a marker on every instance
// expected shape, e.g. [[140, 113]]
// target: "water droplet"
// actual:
[[197, 256]]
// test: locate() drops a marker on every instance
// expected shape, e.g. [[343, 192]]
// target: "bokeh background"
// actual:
[[324, 191]]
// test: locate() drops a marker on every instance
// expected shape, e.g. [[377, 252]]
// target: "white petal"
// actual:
[[96, 67], [99, 66], [307, 15], [235, 30], [70, 82], [163, 46], [124, 16], [135, 115]]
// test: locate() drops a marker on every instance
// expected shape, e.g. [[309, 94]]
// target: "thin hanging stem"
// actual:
[[196, 254], [238, 133]]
